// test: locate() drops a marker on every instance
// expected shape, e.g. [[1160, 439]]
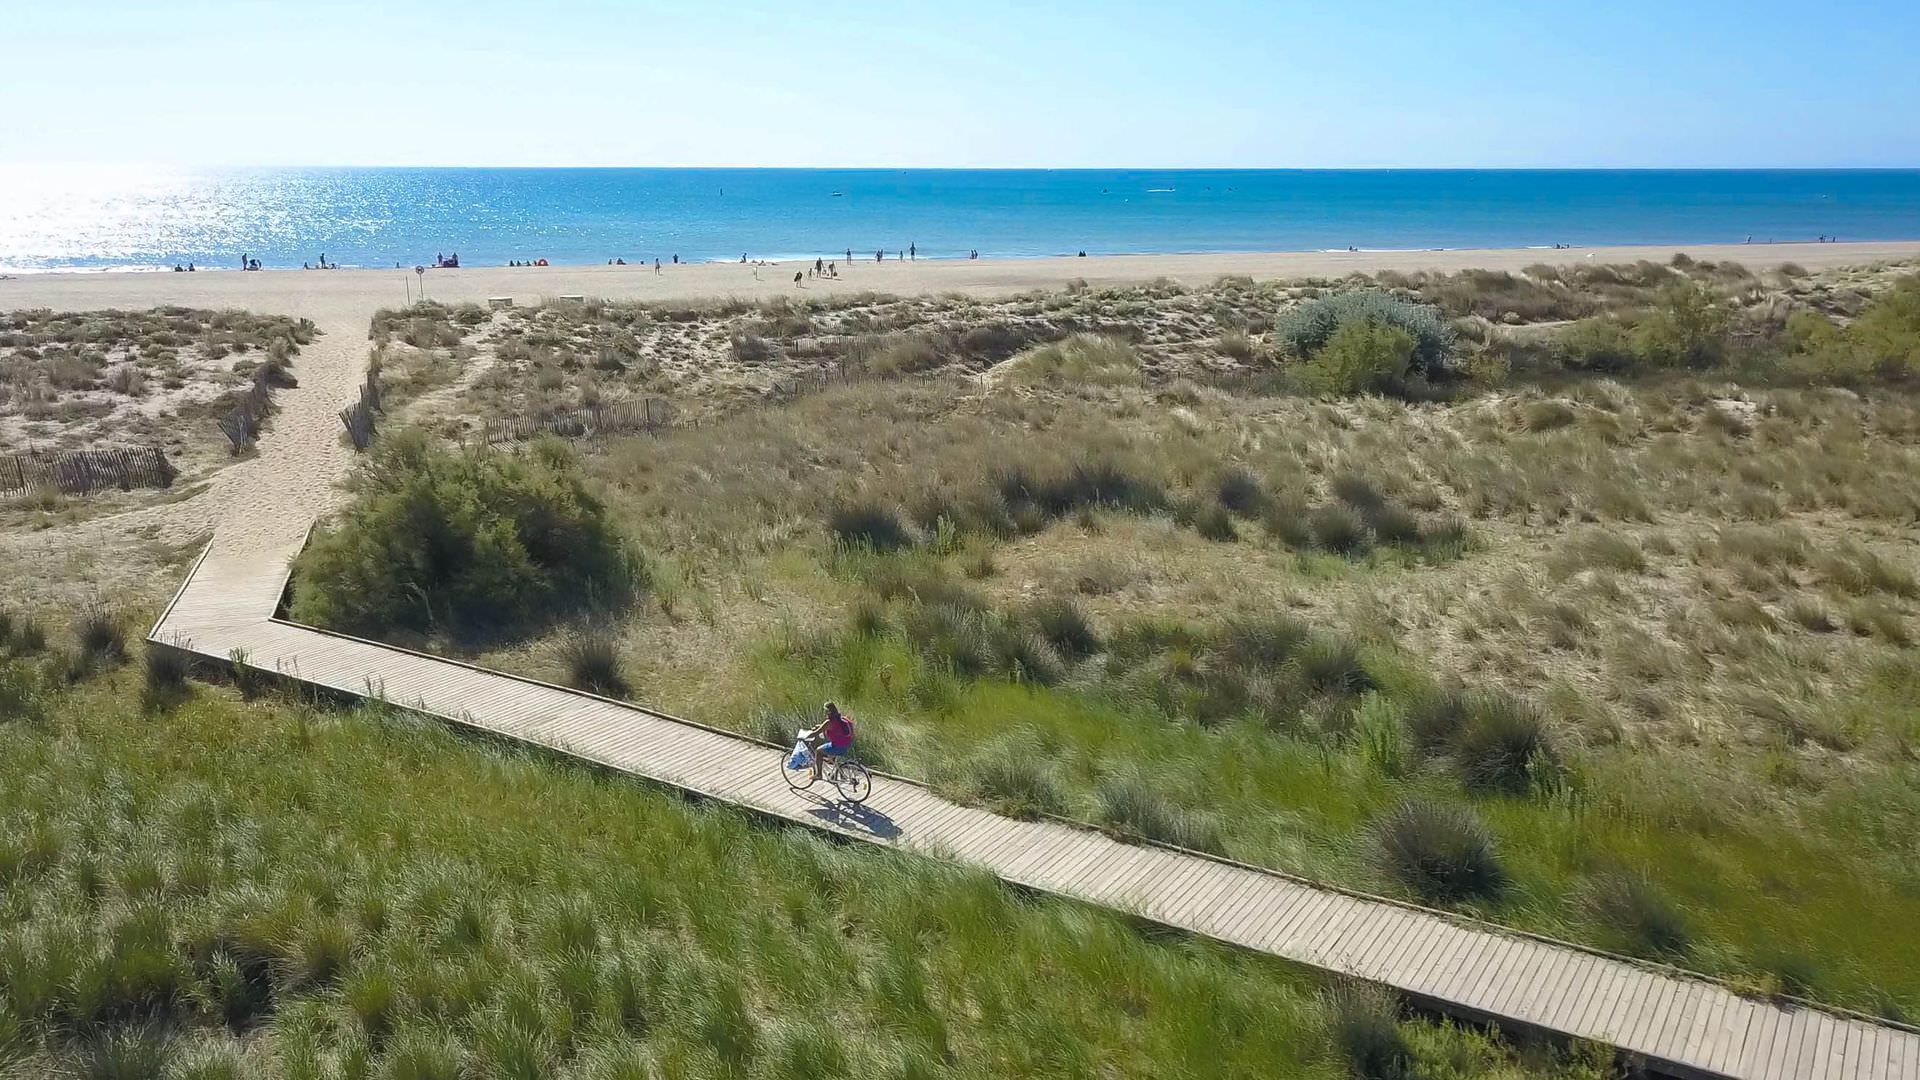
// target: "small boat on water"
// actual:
[[836, 195]]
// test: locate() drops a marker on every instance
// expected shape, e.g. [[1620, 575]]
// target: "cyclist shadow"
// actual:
[[852, 816]]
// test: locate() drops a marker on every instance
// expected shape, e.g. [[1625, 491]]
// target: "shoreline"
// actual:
[[860, 259], [298, 292]]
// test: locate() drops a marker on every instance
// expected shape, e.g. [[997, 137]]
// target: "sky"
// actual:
[[988, 83]]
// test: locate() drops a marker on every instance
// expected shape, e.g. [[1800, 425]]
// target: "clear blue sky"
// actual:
[[984, 83]]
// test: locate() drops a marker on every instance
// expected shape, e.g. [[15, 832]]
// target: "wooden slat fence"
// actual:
[[81, 472], [592, 422]]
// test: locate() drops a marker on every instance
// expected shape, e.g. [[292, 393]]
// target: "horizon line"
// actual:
[[985, 168]]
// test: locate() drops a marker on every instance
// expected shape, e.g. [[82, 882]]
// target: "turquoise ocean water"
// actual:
[[74, 218]]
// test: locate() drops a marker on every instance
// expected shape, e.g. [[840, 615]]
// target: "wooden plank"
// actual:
[[1697, 1043], [1674, 1037], [1497, 981], [1600, 998], [1542, 966], [1629, 996]]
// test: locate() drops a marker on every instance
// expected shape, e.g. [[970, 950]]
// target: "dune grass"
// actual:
[[270, 888]]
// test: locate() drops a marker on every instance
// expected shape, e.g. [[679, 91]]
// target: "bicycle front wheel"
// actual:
[[853, 780], [796, 779]]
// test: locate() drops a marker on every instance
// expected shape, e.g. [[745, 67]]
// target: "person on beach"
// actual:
[[819, 267], [189, 268], [879, 255], [913, 252], [797, 275], [656, 264], [849, 256], [833, 271]]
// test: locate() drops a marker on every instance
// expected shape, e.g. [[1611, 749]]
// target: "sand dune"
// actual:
[[260, 503]]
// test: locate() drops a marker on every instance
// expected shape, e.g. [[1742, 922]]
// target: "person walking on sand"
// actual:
[[656, 264], [796, 278], [244, 260], [913, 252], [849, 256], [819, 267]]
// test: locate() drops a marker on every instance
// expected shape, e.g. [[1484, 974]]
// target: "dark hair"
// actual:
[[833, 710]]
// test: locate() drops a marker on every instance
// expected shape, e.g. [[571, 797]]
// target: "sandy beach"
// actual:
[[318, 294]]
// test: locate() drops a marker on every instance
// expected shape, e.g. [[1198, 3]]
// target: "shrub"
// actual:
[[1502, 742], [1308, 328], [1634, 909], [1440, 852], [1360, 358], [476, 542], [1602, 343], [1339, 529], [1238, 491], [1236, 345], [21, 695], [1365, 1025], [867, 523], [1089, 359], [1064, 626], [1213, 522], [1288, 520], [98, 635], [1332, 664], [166, 670], [1434, 715], [1888, 329], [993, 341], [592, 658], [1686, 328], [901, 354], [1546, 415], [1017, 780], [1132, 804], [753, 349]]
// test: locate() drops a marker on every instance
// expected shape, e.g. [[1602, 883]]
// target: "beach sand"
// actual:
[[265, 500], [316, 292]]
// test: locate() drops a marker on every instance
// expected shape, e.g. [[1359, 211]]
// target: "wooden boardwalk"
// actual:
[[1664, 1019]]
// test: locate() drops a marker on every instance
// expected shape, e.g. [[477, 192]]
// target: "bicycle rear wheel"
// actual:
[[853, 780], [797, 779]]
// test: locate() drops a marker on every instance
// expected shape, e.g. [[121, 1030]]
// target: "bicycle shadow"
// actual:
[[854, 817]]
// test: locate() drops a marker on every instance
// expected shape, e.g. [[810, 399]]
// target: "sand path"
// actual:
[[259, 504]]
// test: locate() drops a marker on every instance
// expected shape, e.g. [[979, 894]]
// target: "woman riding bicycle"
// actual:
[[834, 737]]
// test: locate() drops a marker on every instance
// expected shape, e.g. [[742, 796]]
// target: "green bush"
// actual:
[[1339, 529], [1360, 358], [1308, 328], [1133, 805], [1687, 327], [476, 543], [1440, 852], [1016, 778], [1237, 490], [1601, 343], [1888, 329], [1501, 744], [1083, 359], [592, 658], [1645, 921], [1063, 625], [98, 635], [870, 524], [1365, 1025]]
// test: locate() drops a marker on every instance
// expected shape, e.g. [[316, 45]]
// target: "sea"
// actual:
[[67, 218]]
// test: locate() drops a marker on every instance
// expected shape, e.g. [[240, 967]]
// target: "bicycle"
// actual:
[[845, 772]]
